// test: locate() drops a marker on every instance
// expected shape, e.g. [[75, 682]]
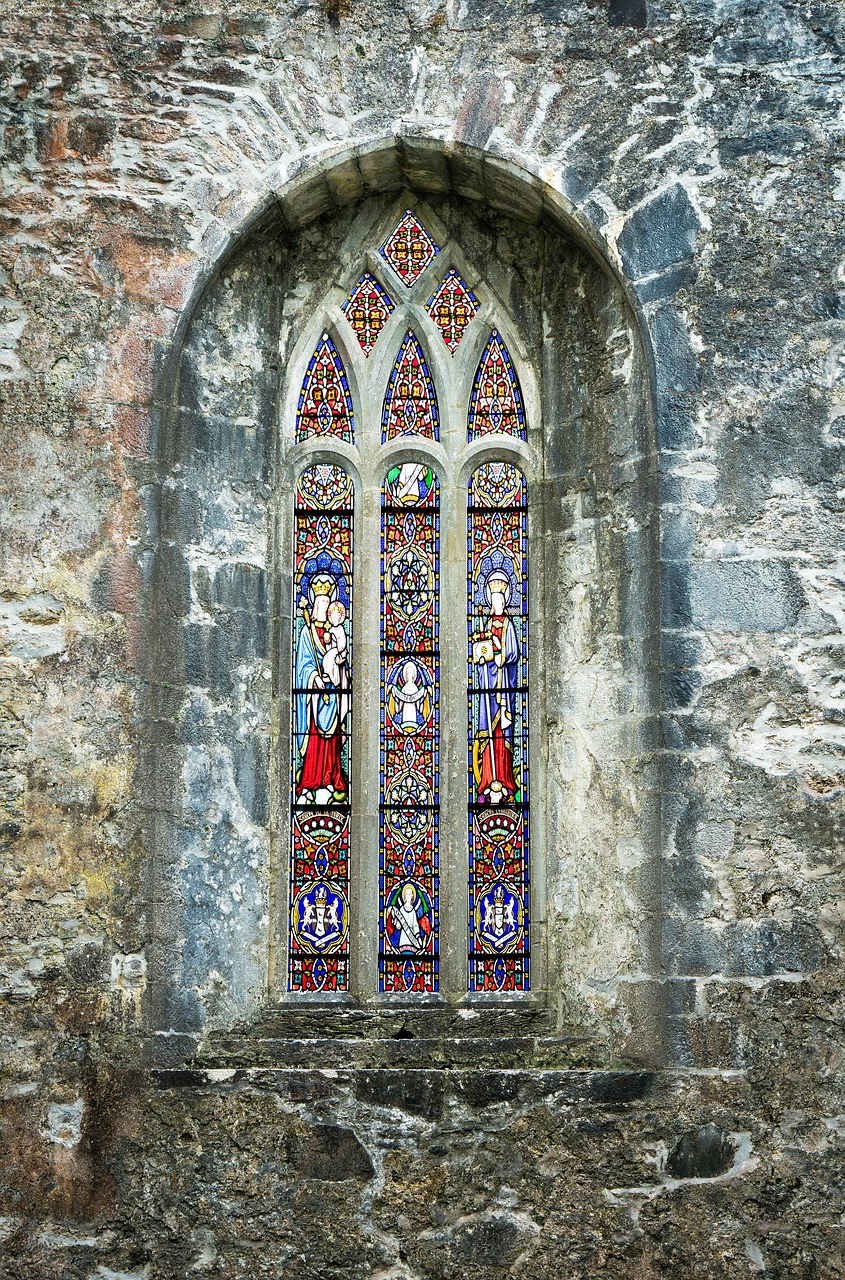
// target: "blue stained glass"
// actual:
[[497, 597], [410, 403], [409, 743]]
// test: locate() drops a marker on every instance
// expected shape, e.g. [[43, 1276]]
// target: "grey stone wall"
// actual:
[[674, 1106]]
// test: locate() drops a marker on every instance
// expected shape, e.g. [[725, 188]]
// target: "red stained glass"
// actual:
[[367, 309], [409, 248], [410, 733], [452, 308], [497, 589], [496, 400], [325, 405], [410, 403], [321, 711]]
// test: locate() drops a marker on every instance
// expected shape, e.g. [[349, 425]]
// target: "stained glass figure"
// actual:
[[497, 587], [367, 309], [409, 813], [496, 400], [452, 307], [409, 248], [325, 405], [410, 403], [321, 712]]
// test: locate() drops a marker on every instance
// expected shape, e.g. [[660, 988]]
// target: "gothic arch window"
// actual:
[[409, 835]]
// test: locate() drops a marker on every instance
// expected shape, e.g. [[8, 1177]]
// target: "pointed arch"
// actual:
[[410, 402], [325, 402], [496, 399]]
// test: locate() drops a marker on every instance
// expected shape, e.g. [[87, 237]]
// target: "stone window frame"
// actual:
[[453, 460]]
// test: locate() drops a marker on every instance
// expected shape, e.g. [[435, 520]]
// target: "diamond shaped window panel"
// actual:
[[452, 307], [410, 404], [496, 401], [409, 248], [325, 405], [367, 309]]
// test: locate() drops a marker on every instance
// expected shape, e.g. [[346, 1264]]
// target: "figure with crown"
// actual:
[[495, 655], [323, 698]]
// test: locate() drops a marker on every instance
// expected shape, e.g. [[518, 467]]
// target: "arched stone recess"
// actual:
[[217, 625]]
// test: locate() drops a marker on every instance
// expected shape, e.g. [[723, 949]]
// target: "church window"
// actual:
[[409, 821], [414, 484], [368, 309], [452, 307], [497, 610], [496, 400], [409, 249], [410, 404], [321, 706], [325, 405]]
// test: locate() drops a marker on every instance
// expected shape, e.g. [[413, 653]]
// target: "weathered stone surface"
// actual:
[[655, 192]]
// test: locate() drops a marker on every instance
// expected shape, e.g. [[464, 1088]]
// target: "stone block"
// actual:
[[659, 233]]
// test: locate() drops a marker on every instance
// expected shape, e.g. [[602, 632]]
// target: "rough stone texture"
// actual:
[[674, 1106]]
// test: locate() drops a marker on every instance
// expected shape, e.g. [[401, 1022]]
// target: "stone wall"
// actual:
[[679, 1112]]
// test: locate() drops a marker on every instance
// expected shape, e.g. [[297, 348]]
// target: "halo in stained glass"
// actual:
[[496, 400], [367, 309], [325, 405], [452, 307], [409, 248], [410, 402]]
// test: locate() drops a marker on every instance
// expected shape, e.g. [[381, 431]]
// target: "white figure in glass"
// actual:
[[323, 700]]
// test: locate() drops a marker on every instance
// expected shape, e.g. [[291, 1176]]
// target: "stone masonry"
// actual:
[[657, 192]]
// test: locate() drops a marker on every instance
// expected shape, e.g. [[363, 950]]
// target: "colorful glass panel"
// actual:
[[367, 309], [410, 403], [409, 813], [409, 248], [496, 400], [325, 405], [497, 587], [452, 308], [321, 712]]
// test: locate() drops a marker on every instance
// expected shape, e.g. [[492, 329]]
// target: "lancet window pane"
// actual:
[[325, 405], [321, 710], [409, 814], [496, 400], [410, 403], [497, 587]]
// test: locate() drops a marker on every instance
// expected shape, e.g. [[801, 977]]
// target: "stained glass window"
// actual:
[[367, 309], [452, 307], [321, 712], [497, 588], [410, 733], [325, 405], [409, 248], [496, 400], [410, 403]]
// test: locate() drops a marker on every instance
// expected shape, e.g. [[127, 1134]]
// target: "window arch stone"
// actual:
[[218, 636]]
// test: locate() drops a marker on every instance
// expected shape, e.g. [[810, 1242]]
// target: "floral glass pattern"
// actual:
[[325, 405], [409, 817], [410, 403], [497, 589], [409, 248], [321, 711], [496, 400], [367, 309], [452, 308]]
